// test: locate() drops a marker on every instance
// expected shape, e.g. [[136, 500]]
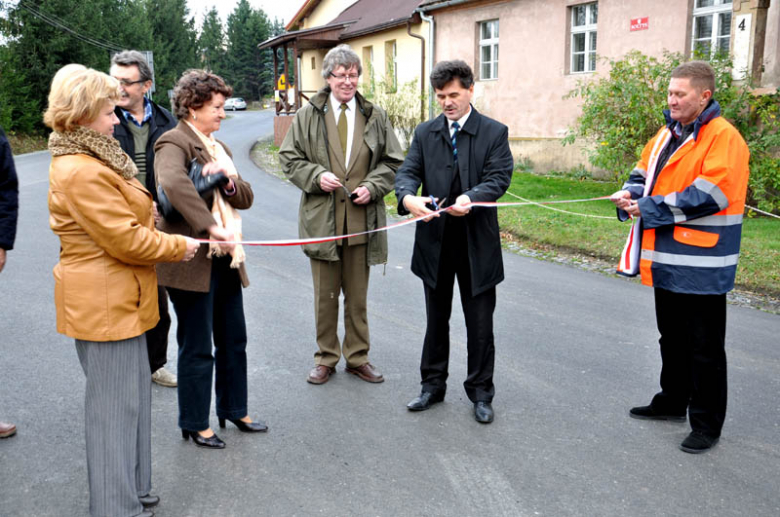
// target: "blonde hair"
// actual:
[[77, 95]]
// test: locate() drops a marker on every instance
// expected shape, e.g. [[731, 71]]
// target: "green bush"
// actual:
[[622, 111], [402, 104]]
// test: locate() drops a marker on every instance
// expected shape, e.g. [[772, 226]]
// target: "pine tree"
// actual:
[[211, 43], [246, 28], [174, 42], [35, 49]]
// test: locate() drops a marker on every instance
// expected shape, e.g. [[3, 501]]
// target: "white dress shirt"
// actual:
[[350, 113], [461, 122]]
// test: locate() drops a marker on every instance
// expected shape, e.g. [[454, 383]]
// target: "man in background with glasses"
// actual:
[[141, 123], [342, 152]]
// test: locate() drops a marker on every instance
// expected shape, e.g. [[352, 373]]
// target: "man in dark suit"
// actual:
[[459, 158], [141, 123]]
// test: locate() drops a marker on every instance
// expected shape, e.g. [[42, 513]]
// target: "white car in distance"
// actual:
[[235, 103]]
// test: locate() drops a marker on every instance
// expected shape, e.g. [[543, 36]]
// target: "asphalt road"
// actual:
[[575, 350]]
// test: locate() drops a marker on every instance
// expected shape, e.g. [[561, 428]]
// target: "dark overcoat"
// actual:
[[161, 121], [485, 168], [9, 195]]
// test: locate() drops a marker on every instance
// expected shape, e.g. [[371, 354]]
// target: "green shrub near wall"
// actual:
[[622, 111]]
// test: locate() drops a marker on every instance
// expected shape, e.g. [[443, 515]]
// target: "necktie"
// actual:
[[343, 129], [455, 128]]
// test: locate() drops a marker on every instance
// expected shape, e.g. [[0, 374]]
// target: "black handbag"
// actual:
[[202, 184]]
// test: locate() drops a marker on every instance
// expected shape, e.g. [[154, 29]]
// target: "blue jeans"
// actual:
[[220, 313]]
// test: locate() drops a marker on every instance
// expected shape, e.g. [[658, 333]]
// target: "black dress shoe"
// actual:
[[648, 413], [212, 442], [149, 501], [424, 401], [483, 412], [245, 427], [698, 442]]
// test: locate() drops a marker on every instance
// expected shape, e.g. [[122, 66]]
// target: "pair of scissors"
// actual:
[[433, 205]]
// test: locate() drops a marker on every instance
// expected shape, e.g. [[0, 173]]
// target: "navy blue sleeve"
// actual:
[[9, 195]]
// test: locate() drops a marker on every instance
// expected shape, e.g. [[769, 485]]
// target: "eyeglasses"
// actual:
[[126, 83], [342, 78]]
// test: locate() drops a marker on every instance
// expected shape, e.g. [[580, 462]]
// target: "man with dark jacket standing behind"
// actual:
[[460, 157], [9, 211], [141, 123]]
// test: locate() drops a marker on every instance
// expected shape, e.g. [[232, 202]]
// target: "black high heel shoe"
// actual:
[[246, 427], [212, 442]]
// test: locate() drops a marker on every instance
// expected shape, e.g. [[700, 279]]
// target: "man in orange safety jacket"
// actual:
[[687, 196]]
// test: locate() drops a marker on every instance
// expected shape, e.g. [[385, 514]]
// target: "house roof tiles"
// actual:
[[373, 15]]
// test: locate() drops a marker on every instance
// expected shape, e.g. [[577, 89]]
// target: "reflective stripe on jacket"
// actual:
[[692, 217]]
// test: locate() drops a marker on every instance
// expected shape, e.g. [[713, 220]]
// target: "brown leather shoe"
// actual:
[[320, 374], [7, 430], [367, 372]]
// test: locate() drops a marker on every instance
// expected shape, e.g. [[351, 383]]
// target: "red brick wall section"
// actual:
[[282, 124]]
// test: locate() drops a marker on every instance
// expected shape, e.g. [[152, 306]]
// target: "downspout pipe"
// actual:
[[422, 67], [429, 64], [431, 35]]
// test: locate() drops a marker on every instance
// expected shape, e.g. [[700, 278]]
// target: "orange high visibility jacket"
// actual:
[[691, 210]]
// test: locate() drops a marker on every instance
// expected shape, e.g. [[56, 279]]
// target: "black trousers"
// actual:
[[478, 311], [157, 338], [219, 312], [693, 355]]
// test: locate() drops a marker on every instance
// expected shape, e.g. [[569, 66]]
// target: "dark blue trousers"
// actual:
[[693, 355], [220, 313]]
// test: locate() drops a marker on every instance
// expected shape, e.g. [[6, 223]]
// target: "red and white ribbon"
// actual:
[[405, 222]]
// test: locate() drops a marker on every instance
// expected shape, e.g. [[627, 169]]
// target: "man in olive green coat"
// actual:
[[342, 152]]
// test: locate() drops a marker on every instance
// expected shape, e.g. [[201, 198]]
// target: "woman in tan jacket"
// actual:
[[105, 283], [206, 293]]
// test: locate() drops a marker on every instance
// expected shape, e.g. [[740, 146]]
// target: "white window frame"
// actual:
[[368, 65], [492, 44], [588, 29], [714, 11], [393, 61]]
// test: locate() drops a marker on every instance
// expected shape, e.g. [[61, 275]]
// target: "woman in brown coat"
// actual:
[[206, 293], [105, 283]]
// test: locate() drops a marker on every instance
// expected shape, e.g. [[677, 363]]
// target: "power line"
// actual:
[[62, 23], [59, 24]]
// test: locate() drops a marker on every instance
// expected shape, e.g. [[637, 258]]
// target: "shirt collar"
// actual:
[[461, 121], [147, 114], [710, 112], [337, 104]]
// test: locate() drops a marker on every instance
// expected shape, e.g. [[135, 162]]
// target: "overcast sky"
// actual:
[[282, 9]]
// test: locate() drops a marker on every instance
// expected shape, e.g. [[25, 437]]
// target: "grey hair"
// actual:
[[342, 55], [133, 57]]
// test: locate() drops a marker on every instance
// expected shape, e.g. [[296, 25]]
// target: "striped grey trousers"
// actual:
[[118, 421]]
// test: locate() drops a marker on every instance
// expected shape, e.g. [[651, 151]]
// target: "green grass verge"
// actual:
[[21, 144], [536, 227], [548, 230]]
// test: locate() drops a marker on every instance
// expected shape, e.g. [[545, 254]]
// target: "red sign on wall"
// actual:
[[640, 24]]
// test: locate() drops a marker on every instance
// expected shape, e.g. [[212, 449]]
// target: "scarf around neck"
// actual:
[[224, 214], [83, 140]]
